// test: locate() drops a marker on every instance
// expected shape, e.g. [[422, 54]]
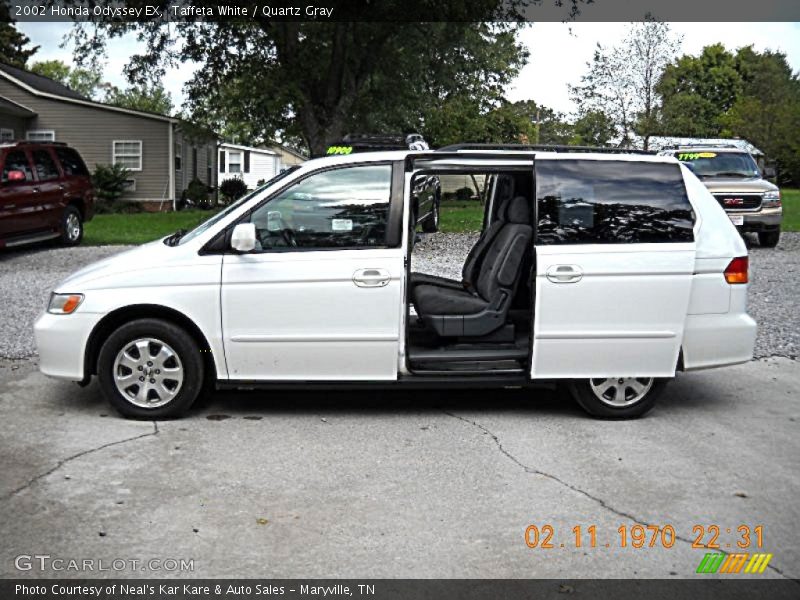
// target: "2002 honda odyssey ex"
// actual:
[[607, 271]]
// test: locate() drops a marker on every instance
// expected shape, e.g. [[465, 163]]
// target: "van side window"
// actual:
[[611, 202], [17, 161], [71, 162], [340, 208], [45, 166]]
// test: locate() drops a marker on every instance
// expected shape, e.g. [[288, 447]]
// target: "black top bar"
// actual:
[[542, 148]]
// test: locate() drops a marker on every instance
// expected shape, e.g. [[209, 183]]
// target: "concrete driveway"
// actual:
[[397, 484]]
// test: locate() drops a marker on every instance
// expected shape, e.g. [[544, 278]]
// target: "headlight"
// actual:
[[772, 199], [64, 304]]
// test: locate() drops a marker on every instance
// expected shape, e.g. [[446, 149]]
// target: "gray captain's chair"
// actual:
[[461, 312], [471, 268]]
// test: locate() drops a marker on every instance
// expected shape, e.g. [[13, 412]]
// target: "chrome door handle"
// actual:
[[564, 273], [371, 277]]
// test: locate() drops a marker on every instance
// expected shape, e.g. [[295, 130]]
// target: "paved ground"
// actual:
[[389, 484], [378, 484]]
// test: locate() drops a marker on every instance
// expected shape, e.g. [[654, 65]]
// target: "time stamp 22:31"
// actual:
[[646, 536]]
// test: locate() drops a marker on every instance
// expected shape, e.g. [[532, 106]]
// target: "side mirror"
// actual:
[[769, 172], [243, 238], [16, 176]]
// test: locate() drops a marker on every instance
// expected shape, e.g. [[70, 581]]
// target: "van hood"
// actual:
[[743, 185], [137, 260]]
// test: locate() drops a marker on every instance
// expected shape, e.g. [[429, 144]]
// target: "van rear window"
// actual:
[[611, 202]]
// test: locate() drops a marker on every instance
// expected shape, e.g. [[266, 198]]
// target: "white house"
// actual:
[[248, 163]]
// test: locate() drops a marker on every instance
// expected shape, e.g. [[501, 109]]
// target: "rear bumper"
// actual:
[[61, 341], [718, 340]]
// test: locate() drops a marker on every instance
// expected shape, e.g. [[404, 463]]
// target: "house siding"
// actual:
[[92, 130], [206, 150]]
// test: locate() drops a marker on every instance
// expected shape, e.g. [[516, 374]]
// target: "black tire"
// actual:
[[71, 226], [769, 239], [177, 340], [431, 223], [582, 392]]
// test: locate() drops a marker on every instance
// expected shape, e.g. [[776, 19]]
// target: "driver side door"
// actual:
[[320, 297]]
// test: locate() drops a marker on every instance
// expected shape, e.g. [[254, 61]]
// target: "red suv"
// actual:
[[45, 193]]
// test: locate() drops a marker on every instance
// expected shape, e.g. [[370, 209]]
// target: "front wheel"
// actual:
[[769, 239], [617, 397], [150, 369]]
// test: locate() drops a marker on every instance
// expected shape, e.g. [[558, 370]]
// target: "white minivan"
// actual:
[[605, 271]]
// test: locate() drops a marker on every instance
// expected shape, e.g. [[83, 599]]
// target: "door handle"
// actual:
[[564, 273], [371, 277]]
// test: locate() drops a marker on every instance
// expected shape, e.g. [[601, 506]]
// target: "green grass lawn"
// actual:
[[791, 209], [458, 216], [139, 228]]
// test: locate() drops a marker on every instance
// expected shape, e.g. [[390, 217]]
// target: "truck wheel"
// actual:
[[150, 369], [769, 239], [617, 397], [431, 222], [71, 227]]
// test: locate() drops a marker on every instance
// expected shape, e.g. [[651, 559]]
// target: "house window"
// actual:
[[234, 162], [40, 135], [178, 156], [6, 135], [127, 153], [129, 185]]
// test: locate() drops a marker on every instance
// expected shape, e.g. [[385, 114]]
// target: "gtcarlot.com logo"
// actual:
[[46, 562], [717, 562]]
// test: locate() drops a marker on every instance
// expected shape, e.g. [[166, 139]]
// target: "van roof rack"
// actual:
[[543, 148], [698, 145]]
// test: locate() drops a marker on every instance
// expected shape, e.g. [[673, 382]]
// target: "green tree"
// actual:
[[263, 79], [13, 43], [86, 82], [621, 80], [746, 94], [593, 128], [697, 90], [148, 98]]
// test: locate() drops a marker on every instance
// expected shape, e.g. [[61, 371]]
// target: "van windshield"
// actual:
[[205, 225], [722, 164]]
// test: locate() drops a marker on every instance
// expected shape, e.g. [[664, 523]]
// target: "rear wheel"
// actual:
[[769, 239], [150, 369], [71, 226], [617, 397]]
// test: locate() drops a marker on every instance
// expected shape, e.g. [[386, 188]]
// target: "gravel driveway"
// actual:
[[28, 275]]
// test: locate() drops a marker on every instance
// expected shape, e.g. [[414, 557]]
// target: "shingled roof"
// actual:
[[41, 83]]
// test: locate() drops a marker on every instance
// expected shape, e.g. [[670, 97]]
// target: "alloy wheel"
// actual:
[[621, 391], [148, 373]]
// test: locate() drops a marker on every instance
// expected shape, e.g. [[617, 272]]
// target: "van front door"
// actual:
[[614, 262], [320, 297]]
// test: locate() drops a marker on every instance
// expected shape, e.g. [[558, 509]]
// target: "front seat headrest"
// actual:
[[518, 211]]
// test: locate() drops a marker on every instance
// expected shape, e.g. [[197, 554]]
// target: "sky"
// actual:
[[558, 52]]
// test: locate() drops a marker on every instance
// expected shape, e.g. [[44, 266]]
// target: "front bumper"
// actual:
[[61, 341], [766, 219]]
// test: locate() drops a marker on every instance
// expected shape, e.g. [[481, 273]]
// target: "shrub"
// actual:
[[198, 194], [465, 193], [109, 185], [232, 189]]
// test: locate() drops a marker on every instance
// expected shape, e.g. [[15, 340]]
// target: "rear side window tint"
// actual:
[[611, 202], [45, 166], [17, 161], [71, 162]]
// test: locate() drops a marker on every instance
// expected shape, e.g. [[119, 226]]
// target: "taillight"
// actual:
[[736, 272]]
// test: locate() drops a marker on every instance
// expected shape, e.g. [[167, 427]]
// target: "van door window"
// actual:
[[611, 202], [45, 166], [341, 208]]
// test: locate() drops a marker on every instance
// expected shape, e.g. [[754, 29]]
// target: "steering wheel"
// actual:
[[288, 235]]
